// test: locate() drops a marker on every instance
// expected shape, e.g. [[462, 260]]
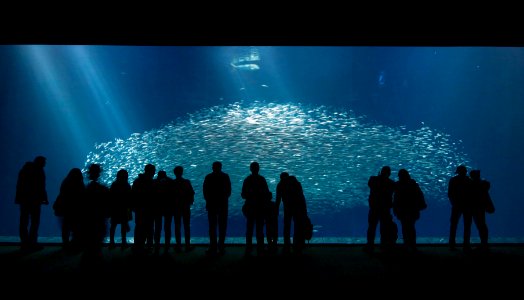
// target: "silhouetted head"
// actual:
[[254, 167], [76, 174], [39, 161], [122, 175], [161, 175], [284, 175], [461, 170], [385, 171], [178, 170], [217, 166], [474, 174], [94, 171], [403, 175], [149, 170]]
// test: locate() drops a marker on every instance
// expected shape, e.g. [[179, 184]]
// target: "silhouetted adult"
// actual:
[[217, 190], [143, 191], [408, 201], [30, 195], [68, 206], [459, 190], [290, 193], [165, 206], [480, 201], [256, 193], [380, 203], [95, 212], [184, 197], [120, 207], [162, 194]]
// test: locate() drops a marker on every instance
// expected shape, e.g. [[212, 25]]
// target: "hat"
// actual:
[[461, 170]]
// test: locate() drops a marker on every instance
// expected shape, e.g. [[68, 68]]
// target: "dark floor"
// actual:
[[338, 267]]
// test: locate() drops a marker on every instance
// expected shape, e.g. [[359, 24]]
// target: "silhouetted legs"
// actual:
[[480, 221], [409, 233], [112, 230], [288, 216], [222, 227], [157, 229], [149, 222], [212, 217], [183, 214], [167, 231], [123, 232], [29, 212], [140, 231], [456, 213], [217, 218], [374, 217], [298, 233], [67, 230], [257, 220], [468, 219]]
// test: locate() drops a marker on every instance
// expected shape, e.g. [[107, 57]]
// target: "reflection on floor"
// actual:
[[315, 240]]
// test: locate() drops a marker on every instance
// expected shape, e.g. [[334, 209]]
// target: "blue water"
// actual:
[[332, 116]]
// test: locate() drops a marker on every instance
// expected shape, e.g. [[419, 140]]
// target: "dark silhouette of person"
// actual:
[[459, 194], [408, 201], [290, 193], [161, 186], [67, 206], [143, 191], [380, 203], [120, 207], [31, 193], [95, 212], [480, 199], [256, 193], [184, 195], [165, 207], [217, 190]]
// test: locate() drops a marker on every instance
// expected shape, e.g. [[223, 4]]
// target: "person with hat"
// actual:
[[459, 193]]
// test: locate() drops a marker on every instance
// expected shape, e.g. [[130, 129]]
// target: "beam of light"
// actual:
[[105, 102], [54, 86]]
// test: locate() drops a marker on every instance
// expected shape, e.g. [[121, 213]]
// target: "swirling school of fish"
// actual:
[[332, 152]]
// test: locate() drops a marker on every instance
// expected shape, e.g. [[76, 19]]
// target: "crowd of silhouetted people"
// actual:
[[468, 195], [153, 203]]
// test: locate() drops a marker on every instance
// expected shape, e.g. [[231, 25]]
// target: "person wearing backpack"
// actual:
[[480, 204], [291, 194], [408, 201]]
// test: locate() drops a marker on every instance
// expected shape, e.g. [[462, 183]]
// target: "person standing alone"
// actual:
[[30, 195]]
